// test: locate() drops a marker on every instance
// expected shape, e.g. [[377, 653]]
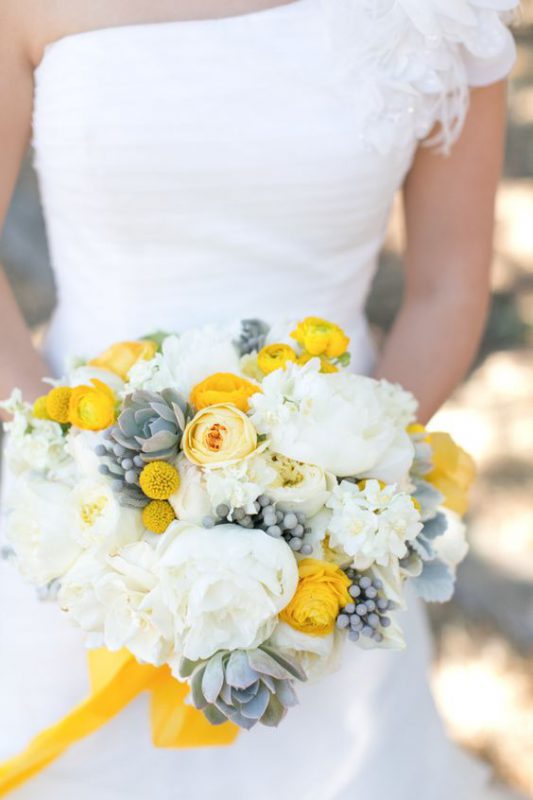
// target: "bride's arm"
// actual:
[[20, 364], [449, 211]]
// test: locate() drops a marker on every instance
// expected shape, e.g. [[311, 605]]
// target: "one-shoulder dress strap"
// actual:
[[422, 57]]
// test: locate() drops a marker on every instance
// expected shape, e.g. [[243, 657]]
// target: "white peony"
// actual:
[[317, 655], [186, 360], [372, 524], [115, 600], [38, 529], [297, 486], [191, 502], [224, 587], [344, 423]]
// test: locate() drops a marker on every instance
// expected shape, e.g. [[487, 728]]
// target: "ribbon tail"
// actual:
[[177, 724], [124, 679]]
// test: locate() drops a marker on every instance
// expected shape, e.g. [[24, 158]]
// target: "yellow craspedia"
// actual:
[[157, 516], [275, 356], [120, 357], [92, 408], [39, 408], [453, 472], [57, 404], [322, 592], [325, 364], [159, 480], [223, 387], [319, 337]]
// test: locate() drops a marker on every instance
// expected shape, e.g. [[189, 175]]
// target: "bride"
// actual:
[[208, 160]]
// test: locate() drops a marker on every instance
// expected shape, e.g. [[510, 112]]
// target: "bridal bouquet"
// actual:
[[236, 505]]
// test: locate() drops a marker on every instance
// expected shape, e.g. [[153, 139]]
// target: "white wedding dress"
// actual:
[[214, 170]]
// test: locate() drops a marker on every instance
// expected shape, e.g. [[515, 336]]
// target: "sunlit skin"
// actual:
[[449, 203]]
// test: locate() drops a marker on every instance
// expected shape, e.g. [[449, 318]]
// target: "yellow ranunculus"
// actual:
[[322, 592], [92, 408], [219, 434], [453, 471], [325, 364], [120, 357], [319, 337], [275, 356], [223, 387]]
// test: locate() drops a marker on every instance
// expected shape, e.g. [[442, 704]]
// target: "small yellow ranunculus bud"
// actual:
[[120, 357], [325, 364], [92, 408], [319, 337], [157, 516], [39, 408], [223, 387], [453, 472], [219, 434], [322, 592], [159, 480], [58, 403], [275, 356]]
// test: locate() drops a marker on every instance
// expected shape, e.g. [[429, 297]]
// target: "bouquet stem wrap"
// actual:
[[116, 680]]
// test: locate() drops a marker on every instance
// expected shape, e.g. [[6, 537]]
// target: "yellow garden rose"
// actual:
[[275, 356], [219, 434], [223, 387], [120, 357], [322, 592], [92, 408], [453, 471], [321, 338]]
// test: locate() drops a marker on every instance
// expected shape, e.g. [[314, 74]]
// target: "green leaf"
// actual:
[[158, 337]]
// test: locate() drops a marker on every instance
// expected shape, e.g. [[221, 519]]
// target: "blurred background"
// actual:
[[483, 673]]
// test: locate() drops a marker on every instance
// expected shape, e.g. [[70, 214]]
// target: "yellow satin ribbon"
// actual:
[[116, 679]]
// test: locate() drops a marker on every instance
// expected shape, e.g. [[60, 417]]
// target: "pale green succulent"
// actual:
[[244, 686]]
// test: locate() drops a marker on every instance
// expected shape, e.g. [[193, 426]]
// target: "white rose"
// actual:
[[83, 375], [317, 655], [224, 587], [186, 360], [452, 546], [372, 524], [343, 423], [297, 486], [191, 503], [39, 531]]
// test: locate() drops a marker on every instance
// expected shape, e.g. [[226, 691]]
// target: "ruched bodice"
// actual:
[[197, 172]]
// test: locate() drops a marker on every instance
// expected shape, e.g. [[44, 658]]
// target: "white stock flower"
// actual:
[[341, 422], [38, 529], [372, 524], [32, 444], [80, 446], [239, 485], [224, 587], [317, 655], [298, 486], [186, 360]]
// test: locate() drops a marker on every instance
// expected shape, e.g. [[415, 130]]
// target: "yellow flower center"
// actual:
[[157, 516], [91, 511], [159, 480], [214, 437]]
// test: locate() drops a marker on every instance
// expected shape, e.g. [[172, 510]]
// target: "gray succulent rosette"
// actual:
[[245, 687]]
